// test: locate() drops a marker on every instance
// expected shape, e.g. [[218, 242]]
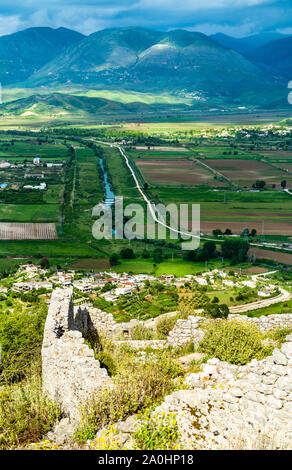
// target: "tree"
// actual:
[[127, 253], [210, 249], [114, 259], [245, 232], [217, 232], [260, 184], [284, 184], [216, 310], [157, 255], [228, 231], [253, 232], [235, 250], [45, 263]]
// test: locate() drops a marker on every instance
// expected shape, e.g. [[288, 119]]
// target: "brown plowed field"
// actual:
[[176, 172], [271, 228], [285, 258], [247, 172]]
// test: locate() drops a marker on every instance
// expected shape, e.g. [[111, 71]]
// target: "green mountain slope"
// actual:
[[246, 44], [276, 55], [150, 61], [60, 104], [24, 52]]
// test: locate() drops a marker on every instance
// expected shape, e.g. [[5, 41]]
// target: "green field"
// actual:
[[73, 191], [29, 213]]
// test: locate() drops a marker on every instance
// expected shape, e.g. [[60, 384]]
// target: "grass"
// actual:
[[281, 307], [29, 213], [177, 267]]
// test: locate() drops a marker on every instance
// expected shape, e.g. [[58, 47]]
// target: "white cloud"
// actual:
[[287, 31], [197, 5], [234, 17], [239, 30], [9, 24]]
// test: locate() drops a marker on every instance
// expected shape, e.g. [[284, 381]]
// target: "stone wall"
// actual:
[[69, 370], [104, 322], [237, 407], [189, 330], [266, 322]]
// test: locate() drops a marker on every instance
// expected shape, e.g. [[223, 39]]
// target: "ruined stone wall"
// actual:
[[189, 330], [69, 370], [237, 407]]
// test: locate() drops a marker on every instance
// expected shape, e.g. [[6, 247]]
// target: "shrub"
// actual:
[[217, 310], [107, 361], [159, 432], [141, 332], [26, 414], [164, 326], [108, 441], [233, 341], [21, 336], [279, 335], [138, 385]]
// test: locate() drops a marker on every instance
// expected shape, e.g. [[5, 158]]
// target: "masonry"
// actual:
[[188, 330], [237, 407], [70, 371], [225, 407]]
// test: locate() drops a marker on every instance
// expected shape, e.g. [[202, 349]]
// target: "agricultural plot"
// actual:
[[23, 231], [237, 227], [32, 180], [161, 149], [286, 165], [285, 258], [157, 154], [29, 212], [277, 154], [271, 210], [32, 148], [246, 172], [176, 172]]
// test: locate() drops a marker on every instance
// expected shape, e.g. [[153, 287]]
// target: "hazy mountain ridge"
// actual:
[[24, 52], [276, 55], [178, 62], [145, 60], [247, 44]]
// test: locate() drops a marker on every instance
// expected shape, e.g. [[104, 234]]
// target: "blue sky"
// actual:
[[235, 17]]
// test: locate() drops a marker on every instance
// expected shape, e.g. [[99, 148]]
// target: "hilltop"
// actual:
[[61, 104]]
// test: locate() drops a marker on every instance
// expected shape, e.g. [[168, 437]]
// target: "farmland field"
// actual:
[[18, 231], [247, 172], [179, 163], [235, 210], [285, 258], [176, 172]]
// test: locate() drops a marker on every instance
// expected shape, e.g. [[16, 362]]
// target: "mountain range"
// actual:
[[215, 69], [62, 105]]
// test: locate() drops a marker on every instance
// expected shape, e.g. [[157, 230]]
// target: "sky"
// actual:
[[234, 17]]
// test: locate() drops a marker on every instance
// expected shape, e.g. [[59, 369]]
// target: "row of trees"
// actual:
[[235, 250]]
